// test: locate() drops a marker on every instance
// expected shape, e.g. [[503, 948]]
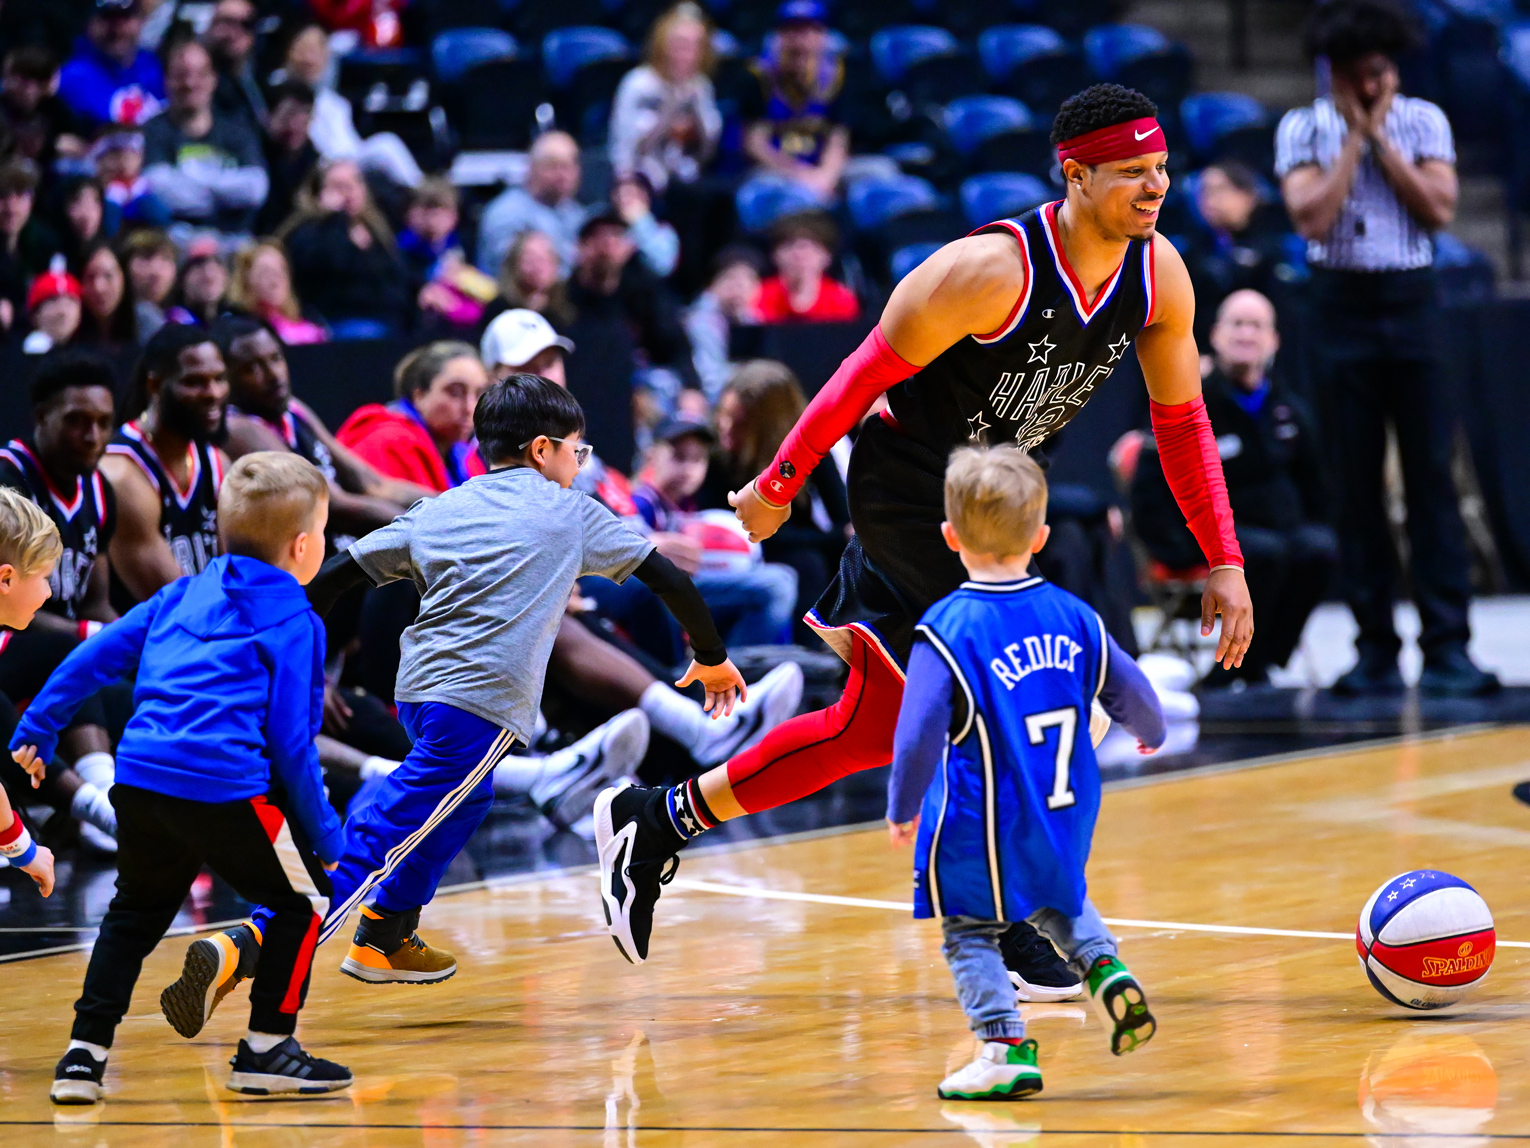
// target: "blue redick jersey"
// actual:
[[1006, 825]]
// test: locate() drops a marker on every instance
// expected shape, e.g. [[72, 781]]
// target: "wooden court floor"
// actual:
[[789, 1002]]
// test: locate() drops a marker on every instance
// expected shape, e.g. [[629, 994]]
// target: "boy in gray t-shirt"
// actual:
[[495, 561]]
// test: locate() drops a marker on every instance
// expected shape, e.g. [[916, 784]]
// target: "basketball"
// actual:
[[725, 545], [1425, 939]]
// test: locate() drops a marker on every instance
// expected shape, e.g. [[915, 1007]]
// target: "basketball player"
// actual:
[[164, 467], [998, 337]]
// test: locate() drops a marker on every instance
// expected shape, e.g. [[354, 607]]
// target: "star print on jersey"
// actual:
[[976, 425], [1040, 351], [1118, 348]]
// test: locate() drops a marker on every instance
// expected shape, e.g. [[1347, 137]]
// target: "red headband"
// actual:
[[1119, 141]]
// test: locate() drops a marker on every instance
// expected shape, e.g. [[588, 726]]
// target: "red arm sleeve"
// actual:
[[870, 370], [1188, 451]]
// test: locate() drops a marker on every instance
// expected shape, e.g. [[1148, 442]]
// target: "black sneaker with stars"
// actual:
[[637, 843]]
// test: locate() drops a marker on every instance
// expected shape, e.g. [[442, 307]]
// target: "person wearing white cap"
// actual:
[[523, 342]]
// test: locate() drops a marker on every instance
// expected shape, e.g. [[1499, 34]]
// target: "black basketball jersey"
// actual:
[[188, 518], [301, 439], [1025, 381], [85, 517]]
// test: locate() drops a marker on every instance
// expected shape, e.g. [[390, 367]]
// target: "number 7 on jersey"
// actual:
[[1065, 721]]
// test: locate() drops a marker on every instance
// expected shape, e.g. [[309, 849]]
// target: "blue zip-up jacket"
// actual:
[[229, 693], [101, 90]]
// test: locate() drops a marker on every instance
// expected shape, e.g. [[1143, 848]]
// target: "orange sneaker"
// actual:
[[387, 950], [214, 967]]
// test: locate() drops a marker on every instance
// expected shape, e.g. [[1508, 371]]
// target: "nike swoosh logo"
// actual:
[[1144, 135]]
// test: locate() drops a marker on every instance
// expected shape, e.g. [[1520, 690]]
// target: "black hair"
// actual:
[[69, 367], [1101, 106], [32, 62], [1345, 30], [513, 412], [291, 89], [229, 329], [161, 356], [1239, 174]]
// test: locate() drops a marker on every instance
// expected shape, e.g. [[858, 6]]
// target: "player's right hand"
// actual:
[[901, 835], [27, 758], [41, 870], [760, 519], [724, 685]]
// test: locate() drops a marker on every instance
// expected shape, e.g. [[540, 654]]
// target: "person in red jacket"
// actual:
[[425, 435], [802, 247]]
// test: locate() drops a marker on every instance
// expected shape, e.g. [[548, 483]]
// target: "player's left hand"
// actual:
[[27, 758], [1227, 594], [724, 685], [901, 835], [41, 870]]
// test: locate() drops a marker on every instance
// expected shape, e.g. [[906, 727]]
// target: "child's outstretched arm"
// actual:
[[294, 652], [712, 667], [924, 719], [17, 847], [1130, 700]]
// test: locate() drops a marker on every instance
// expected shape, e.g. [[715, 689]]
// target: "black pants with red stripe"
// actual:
[[162, 842]]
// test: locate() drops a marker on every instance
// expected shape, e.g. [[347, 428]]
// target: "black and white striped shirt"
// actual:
[[1374, 231]]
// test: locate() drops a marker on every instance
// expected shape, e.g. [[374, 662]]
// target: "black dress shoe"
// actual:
[[1368, 677], [1454, 675]]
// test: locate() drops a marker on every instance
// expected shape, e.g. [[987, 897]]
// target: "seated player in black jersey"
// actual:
[[55, 466], [164, 466]]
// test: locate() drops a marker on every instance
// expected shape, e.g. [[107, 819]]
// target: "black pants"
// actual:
[[1374, 358], [1288, 574], [162, 842]]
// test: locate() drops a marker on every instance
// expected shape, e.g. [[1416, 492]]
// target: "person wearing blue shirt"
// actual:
[[110, 79], [1006, 679], [217, 766]]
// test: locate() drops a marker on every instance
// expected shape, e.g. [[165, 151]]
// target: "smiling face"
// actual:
[[1122, 198], [193, 402]]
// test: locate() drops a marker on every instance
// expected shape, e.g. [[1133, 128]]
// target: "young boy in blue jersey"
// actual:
[[1002, 683], [217, 766]]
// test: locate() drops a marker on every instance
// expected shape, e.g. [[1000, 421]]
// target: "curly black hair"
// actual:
[[1101, 106], [1345, 30]]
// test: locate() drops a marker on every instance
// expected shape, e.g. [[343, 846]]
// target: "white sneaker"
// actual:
[[97, 839], [573, 777], [772, 700], [1000, 1072]]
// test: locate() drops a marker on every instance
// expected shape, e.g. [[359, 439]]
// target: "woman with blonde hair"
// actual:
[[262, 286], [530, 279], [754, 414], [664, 118]]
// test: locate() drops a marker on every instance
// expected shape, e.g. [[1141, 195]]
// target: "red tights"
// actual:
[[803, 755]]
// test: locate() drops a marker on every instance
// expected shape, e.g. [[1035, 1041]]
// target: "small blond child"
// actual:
[[1002, 681], [217, 766], [29, 549]]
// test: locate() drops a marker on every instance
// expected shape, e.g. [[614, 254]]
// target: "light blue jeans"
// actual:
[[982, 982], [753, 607]]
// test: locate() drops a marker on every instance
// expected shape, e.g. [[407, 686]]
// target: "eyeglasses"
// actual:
[[582, 451]]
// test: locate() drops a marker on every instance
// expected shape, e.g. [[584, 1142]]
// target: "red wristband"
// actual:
[[14, 830], [1187, 449]]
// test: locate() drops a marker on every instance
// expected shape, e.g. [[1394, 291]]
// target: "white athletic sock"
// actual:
[[95, 1050], [516, 774], [263, 1041], [375, 766], [91, 805], [677, 717], [98, 768]]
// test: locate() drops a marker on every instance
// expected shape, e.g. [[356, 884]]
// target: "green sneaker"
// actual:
[[1122, 1004], [1000, 1072]]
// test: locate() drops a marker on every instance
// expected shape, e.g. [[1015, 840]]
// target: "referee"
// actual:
[[1368, 174]]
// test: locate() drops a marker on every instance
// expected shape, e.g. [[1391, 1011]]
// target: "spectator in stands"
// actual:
[[84, 222], [1238, 248], [795, 128], [230, 41], [664, 119], [34, 123], [345, 260], [150, 260], [802, 247], [1274, 470], [333, 130], [289, 153], [754, 413], [530, 278], [1368, 174], [198, 296], [546, 203], [205, 166], [53, 306], [657, 242], [118, 157], [110, 79], [27, 245], [425, 435], [109, 316], [261, 286], [732, 298], [450, 291]]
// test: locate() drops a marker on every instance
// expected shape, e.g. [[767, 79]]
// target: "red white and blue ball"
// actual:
[[1425, 939]]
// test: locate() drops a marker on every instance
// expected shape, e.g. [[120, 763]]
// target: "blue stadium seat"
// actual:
[[1209, 117], [905, 259], [893, 50], [1001, 194], [762, 200], [1110, 47], [1516, 52], [1005, 47], [456, 50], [566, 50], [973, 119], [1143, 58], [873, 202]]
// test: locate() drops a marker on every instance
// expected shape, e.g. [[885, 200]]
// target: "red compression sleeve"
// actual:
[[870, 370], [1188, 451]]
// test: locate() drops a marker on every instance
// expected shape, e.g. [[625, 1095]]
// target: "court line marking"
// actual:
[[1117, 922]]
